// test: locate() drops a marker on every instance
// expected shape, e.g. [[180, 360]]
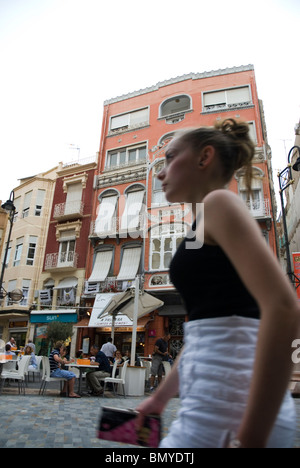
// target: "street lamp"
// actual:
[[285, 180], [16, 295]]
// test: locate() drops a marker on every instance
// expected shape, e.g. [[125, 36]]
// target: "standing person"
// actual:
[[243, 313], [102, 370], [109, 349], [160, 354], [57, 360]]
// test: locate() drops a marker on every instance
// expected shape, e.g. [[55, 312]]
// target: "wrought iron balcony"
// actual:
[[68, 210], [259, 208], [61, 261]]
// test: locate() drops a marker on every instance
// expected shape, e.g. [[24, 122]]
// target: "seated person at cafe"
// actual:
[[120, 361], [12, 343], [33, 362], [102, 370], [8, 350], [56, 361], [128, 358]]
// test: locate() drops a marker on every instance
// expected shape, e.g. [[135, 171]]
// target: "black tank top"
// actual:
[[209, 284]]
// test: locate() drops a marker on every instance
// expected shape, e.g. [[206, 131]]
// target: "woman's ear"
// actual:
[[206, 156]]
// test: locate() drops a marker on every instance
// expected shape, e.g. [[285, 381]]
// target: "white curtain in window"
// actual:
[[131, 215], [40, 197], [104, 222], [139, 117], [74, 196], [237, 95], [27, 200], [119, 121], [130, 264], [212, 99], [102, 266]]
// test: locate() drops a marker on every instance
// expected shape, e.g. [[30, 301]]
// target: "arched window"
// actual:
[[175, 105], [164, 242], [158, 195]]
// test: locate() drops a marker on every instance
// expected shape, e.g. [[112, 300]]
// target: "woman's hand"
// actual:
[[152, 405]]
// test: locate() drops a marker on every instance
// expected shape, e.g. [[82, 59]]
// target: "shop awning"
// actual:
[[67, 283], [47, 316], [122, 304], [121, 322], [147, 304]]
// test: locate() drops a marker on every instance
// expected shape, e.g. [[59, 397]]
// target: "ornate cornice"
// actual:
[[112, 178]]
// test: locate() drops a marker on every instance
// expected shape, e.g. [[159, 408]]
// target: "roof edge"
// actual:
[[189, 76]]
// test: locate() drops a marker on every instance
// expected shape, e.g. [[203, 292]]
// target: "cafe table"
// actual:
[[81, 367]]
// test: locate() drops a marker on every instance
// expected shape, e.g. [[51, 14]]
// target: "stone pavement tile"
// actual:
[[51, 422]]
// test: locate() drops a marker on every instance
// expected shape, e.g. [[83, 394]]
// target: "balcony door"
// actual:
[[66, 253]]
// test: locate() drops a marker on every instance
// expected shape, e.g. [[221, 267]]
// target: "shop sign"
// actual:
[[53, 316], [120, 321]]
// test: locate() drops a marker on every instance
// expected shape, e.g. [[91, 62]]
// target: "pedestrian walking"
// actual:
[[243, 313], [160, 355]]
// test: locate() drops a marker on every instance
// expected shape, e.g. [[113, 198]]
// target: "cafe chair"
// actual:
[[19, 375], [37, 370], [117, 380], [46, 378]]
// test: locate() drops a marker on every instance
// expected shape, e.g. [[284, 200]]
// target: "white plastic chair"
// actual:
[[18, 375], [46, 378], [38, 369], [147, 364], [117, 380]]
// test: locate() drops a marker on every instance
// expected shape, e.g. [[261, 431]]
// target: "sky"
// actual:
[[61, 59]]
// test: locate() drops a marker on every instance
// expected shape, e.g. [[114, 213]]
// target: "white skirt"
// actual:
[[215, 375]]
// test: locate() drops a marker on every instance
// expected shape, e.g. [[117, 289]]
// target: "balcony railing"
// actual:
[[114, 227], [68, 210], [61, 260], [259, 208]]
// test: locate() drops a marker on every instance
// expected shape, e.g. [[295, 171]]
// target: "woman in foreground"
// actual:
[[243, 313]]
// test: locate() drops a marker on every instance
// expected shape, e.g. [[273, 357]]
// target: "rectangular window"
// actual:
[[11, 286], [124, 156], [73, 201], [17, 204], [66, 253], [8, 255], [227, 98], [26, 206], [39, 202], [18, 252], [31, 250], [129, 120], [25, 289]]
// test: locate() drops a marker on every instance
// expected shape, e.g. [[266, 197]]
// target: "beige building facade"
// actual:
[[33, 202]]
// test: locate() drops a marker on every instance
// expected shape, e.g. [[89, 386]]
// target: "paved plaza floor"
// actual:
[[49, 421]]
